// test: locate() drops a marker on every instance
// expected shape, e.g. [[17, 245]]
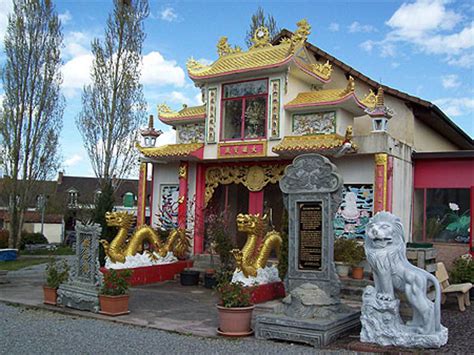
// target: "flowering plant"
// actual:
[[233, 294], [457, 223], [115, 282]]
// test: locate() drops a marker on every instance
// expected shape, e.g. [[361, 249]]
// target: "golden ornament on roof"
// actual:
[[164, 108], [322, 70], [350, 86], [224, 48], [370, 99], [193, 65], [261, 38], [302, 33]]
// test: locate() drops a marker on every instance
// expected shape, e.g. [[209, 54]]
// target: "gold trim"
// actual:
[[275, 108], [211, 120], [254, 177], [249, 144], [381, 158], [309, 143], [170, 150], [183, 171]]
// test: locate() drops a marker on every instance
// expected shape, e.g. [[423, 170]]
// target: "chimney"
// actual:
[[60, 177]]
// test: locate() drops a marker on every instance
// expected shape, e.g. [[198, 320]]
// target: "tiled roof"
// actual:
[[187, 113], [254, 59], [170, 150], [310, 143]]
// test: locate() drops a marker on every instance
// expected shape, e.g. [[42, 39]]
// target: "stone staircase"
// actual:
[[203, 262]]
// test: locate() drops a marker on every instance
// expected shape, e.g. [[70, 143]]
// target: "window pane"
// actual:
[[447, 215], [232, 119], [255, 117], [245, 89]]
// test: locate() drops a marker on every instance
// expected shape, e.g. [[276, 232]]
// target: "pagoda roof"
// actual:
[[173, 151], [327, 143], [186, 114], [345, 98], [262, 55]]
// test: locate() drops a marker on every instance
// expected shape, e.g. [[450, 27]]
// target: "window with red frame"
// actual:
[[244, 110]]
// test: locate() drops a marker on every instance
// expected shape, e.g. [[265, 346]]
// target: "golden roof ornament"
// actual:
[[370, 99], [350, 86], [164, 108], [379, 109], [302, 33], [193, 65], [380, 98], [322, 70], [261, 38], [224, 48]]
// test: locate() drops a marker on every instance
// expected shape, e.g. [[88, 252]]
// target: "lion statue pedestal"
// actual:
[[381, 321]]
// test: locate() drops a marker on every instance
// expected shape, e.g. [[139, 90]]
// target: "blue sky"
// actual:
[[422, 47]]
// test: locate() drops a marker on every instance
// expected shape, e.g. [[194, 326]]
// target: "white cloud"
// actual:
[[76, 74], [77, 43], [198, 98], [65, 17], [168, 137], [358, 27], [76, 158], [394, 65], [159, 71], [450, 81], [6, 6], [456, 106], [430, 27], [168, 14], [367, 45], [334, 27]]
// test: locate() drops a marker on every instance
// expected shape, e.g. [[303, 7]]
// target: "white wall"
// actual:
[[163, 174], [356, 169], [402, 195], [52, 231]]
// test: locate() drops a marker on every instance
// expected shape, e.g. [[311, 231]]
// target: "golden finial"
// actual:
[[302, 32], [380, 98], [223, 47], [164, 108], [261, 38], [350, 86]]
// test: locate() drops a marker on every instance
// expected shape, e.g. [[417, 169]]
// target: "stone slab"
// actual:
[[79, 296], [315, 332]]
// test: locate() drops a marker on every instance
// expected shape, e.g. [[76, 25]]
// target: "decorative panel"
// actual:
[[190, 133], [242, 150], [354, 212], [274, 109], [211, 115], [314, 123]]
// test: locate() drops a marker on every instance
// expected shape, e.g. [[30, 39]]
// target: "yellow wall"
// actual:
[[428, 140]]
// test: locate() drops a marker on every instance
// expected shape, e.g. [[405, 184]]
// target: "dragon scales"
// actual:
[[123, 246], [254, 255]]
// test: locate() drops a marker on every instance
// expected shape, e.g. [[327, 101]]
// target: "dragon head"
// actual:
[[119, 219], [250, 223]]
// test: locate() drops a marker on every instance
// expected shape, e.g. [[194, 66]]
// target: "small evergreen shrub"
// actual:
[[463, 270], [32, 238], [56, 273], [348, 251]]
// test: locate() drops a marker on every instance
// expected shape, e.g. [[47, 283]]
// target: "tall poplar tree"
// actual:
[[259, 18], [113, 105], [31, 116]]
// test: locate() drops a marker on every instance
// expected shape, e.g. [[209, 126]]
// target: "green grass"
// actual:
[[59, 251], [21, 263]]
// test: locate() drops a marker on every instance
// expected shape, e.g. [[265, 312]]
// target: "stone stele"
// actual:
[[312, 313], [82, 289], [381, 322]]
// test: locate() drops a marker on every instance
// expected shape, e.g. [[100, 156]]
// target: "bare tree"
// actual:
[[260, 19], [31, 117], [113, 105]]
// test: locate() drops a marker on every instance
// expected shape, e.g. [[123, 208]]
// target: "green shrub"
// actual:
[[56, 273], [348, 251], [116, 282], [3, 238], [463, 270], [234, 294], [32, 238]]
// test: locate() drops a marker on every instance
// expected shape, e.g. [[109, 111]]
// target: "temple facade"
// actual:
[[283, 98]]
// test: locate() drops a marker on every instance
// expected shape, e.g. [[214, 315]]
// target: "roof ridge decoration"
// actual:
[[261, 38], [224, 48], [350, 88], [187, 113], [378, 108], [301, 34], [322, 70]]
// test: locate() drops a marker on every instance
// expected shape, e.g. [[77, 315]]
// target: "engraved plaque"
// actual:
[[310, 235]]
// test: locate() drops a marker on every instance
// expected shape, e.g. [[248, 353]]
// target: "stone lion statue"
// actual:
[[386, 254]]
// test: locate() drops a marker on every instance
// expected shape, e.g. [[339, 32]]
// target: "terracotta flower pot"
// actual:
[[357, 272], [50, 295], [235, 321], [114, 305]]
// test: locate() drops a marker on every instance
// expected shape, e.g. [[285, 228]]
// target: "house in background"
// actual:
[[286, 97]]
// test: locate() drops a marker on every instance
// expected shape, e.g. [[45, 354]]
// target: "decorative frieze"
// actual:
[[190, 133], [211, 115], [275, 109], [314, 123]]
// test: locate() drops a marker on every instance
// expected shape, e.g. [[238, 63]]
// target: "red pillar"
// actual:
[[256, 202], [199, 209], [183, 194], [472, 222], [389, 193], [141, 199]]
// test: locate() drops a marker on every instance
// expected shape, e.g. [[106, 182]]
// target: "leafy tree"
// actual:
[[105, 203], [260, 19], [31, 117], [113, 105]]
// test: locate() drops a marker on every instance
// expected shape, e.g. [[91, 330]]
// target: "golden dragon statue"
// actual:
[[255, 253], [123, 245]]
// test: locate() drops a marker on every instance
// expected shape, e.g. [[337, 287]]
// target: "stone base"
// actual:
[[315, 332], [79, 296]]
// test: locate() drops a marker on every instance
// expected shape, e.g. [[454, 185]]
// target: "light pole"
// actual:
[[42, 205]]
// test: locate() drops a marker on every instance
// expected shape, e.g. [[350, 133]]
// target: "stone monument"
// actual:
[[381, 322], [312, 313], [82, 289]]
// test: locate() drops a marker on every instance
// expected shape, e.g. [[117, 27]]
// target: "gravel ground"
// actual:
[[28, 331]]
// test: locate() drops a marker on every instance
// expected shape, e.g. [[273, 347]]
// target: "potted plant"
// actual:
[[349, 253], [113, 297], [235, 309], [189, 277], [56, 274], [463, 272]]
